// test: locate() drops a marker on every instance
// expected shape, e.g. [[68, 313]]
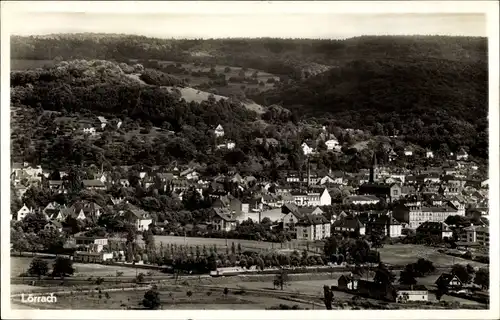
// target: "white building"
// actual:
[[306, 149], [333, 144], [405, 293], [429, 154], [313, 227], [219, 131], [23, 212], [92, 244], [361, 200]]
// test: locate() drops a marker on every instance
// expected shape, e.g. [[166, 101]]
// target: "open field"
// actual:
[[19, 265], [222, 244], [171, 298], [191, 94], [402, 254], [234, 72]]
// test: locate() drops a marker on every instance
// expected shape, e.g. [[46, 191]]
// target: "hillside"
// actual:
[[430, 101], [277, 56], [429, 91]]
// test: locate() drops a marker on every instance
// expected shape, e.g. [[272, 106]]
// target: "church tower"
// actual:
[[373, 169]]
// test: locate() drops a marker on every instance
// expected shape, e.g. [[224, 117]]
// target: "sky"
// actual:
[[310, 25]]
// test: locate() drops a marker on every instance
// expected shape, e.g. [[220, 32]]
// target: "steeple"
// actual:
[[373, 168]]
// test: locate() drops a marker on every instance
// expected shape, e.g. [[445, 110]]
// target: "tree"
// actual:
[[140, 278], [38, 267], [461, 272], [18, 240], [63, 267], [383, 275], [281, 279], [482, 278], [233, 248], [328, 297], [151, 299], [330, 247], [407, 276], [239, 248]]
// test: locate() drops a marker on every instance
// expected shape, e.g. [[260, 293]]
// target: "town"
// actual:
[[313, 218], [252, 174]]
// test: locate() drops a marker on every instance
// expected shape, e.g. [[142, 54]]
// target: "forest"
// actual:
[[429, 91]]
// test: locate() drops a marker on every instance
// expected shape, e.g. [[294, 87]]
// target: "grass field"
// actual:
[[171, 298], [191, 94], [21, 264], [222, 244], [402, 254]]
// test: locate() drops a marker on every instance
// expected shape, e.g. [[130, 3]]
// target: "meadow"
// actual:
[[403, 254]]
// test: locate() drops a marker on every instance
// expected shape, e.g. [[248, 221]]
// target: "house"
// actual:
[[451, 281], [411, 293], [88, 128], [51, 209], [349, 224], [91, 244], [267, 142], [392, 155], [85, 209], [103, 122], [140, 218], [367, 288], [229, 145], [308, 148], [92, 257], [384, 224], [462, 154], [222, 219], [190, 174], [475, 234], [53, 225], [94, 185], [312, 227], [219, 131], [333, 144], [361, 200], [57, 186], [429, 154], [23, 212], [348, 282], [293, 215], [408, 152], [439, 229], [234, 205]]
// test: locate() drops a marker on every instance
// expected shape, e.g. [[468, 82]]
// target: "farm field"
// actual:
[[402, 254]]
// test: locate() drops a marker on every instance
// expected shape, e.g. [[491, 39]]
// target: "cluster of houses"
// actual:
[[420, 198], [399, 293]]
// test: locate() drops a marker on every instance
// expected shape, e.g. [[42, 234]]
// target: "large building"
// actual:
[[312, 227], [413, 214], [476, 235]]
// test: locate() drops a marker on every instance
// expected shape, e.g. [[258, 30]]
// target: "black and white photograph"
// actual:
[[196, 159]]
